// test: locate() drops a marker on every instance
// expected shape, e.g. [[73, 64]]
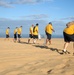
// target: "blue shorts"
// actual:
[[68, 38], [15, 36], [35, 36], [30, 35], [7, 36], [19, 35], [48, 36]]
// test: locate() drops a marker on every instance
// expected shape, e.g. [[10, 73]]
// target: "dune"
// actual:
[[35, 59]]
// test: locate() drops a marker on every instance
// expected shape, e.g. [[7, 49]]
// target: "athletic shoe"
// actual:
[[66, 52]]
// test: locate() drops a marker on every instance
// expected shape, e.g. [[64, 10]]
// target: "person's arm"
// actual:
[[53, 30], [31, 31]]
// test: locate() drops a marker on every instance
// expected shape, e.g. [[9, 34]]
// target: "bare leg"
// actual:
[[28, 40], [34, 41], [18, 39], [66, 45], [47, 41], [73, 48], [73, 45], [50, 42], [65, 48]]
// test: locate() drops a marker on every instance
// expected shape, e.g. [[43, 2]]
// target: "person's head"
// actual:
[[8, 27], [37, 24], [50, 23], [16, 27], [66, 24], [72, 23], [69, 24], [21, 26], [32, 25]]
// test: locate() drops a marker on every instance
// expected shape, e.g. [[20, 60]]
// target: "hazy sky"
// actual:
[[25, 12]]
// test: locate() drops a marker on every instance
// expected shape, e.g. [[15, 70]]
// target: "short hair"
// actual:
[[16, 27], [32, 25], [20, 26], [37, 24], [8, 27], [50, 23]]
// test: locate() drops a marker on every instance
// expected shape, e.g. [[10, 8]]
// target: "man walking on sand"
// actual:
[[15, 34], [48, 31], [31, 33], [19, 32], [7, 33], [35, 33], [68, 36]]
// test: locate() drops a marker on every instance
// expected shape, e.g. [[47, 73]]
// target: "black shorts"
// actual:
[[30, 35], [19, 35], [68, 38], [7, 36], [15, 36], [35, 36], [48, 36]]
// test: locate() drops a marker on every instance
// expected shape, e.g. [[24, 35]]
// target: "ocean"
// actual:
[[27, 36]]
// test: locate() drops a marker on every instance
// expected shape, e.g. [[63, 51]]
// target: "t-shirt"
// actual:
[[19, 30], [69, 30], [7, 31], [15, 31], [31, 30], [35, 30], [49, 28]]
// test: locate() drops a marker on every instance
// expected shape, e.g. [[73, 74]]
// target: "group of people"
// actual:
[[17, 33], [68, 34], [33, 33]]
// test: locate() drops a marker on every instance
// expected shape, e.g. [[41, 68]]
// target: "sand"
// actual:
[[35, 59]]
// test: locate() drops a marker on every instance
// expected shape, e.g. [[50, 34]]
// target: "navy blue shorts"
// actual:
[[7, 36], [48, 36], [35, 36], [30, 35], [15, 36], [68, 38], [19, 35]]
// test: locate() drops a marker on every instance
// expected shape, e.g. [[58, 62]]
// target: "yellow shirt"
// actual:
[[36, 31], [49, 28], [31, 30], [7, 31], [15, 31], [19, 30], [69, 30]]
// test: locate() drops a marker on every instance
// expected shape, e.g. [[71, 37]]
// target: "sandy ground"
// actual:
[[35, 59]]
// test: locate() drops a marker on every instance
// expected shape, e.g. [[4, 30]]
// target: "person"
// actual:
[[15, 34], [7, 33], [19, 32], [35, 33], [68, 34], [48, 31], [31, 33]]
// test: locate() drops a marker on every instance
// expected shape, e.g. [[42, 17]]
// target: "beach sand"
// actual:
[[35, 59]]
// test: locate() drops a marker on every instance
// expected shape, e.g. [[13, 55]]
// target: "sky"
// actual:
[[27, 12]]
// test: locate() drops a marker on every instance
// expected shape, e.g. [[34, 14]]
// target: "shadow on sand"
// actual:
[[24, 42], [52, 49], [46, 47]]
